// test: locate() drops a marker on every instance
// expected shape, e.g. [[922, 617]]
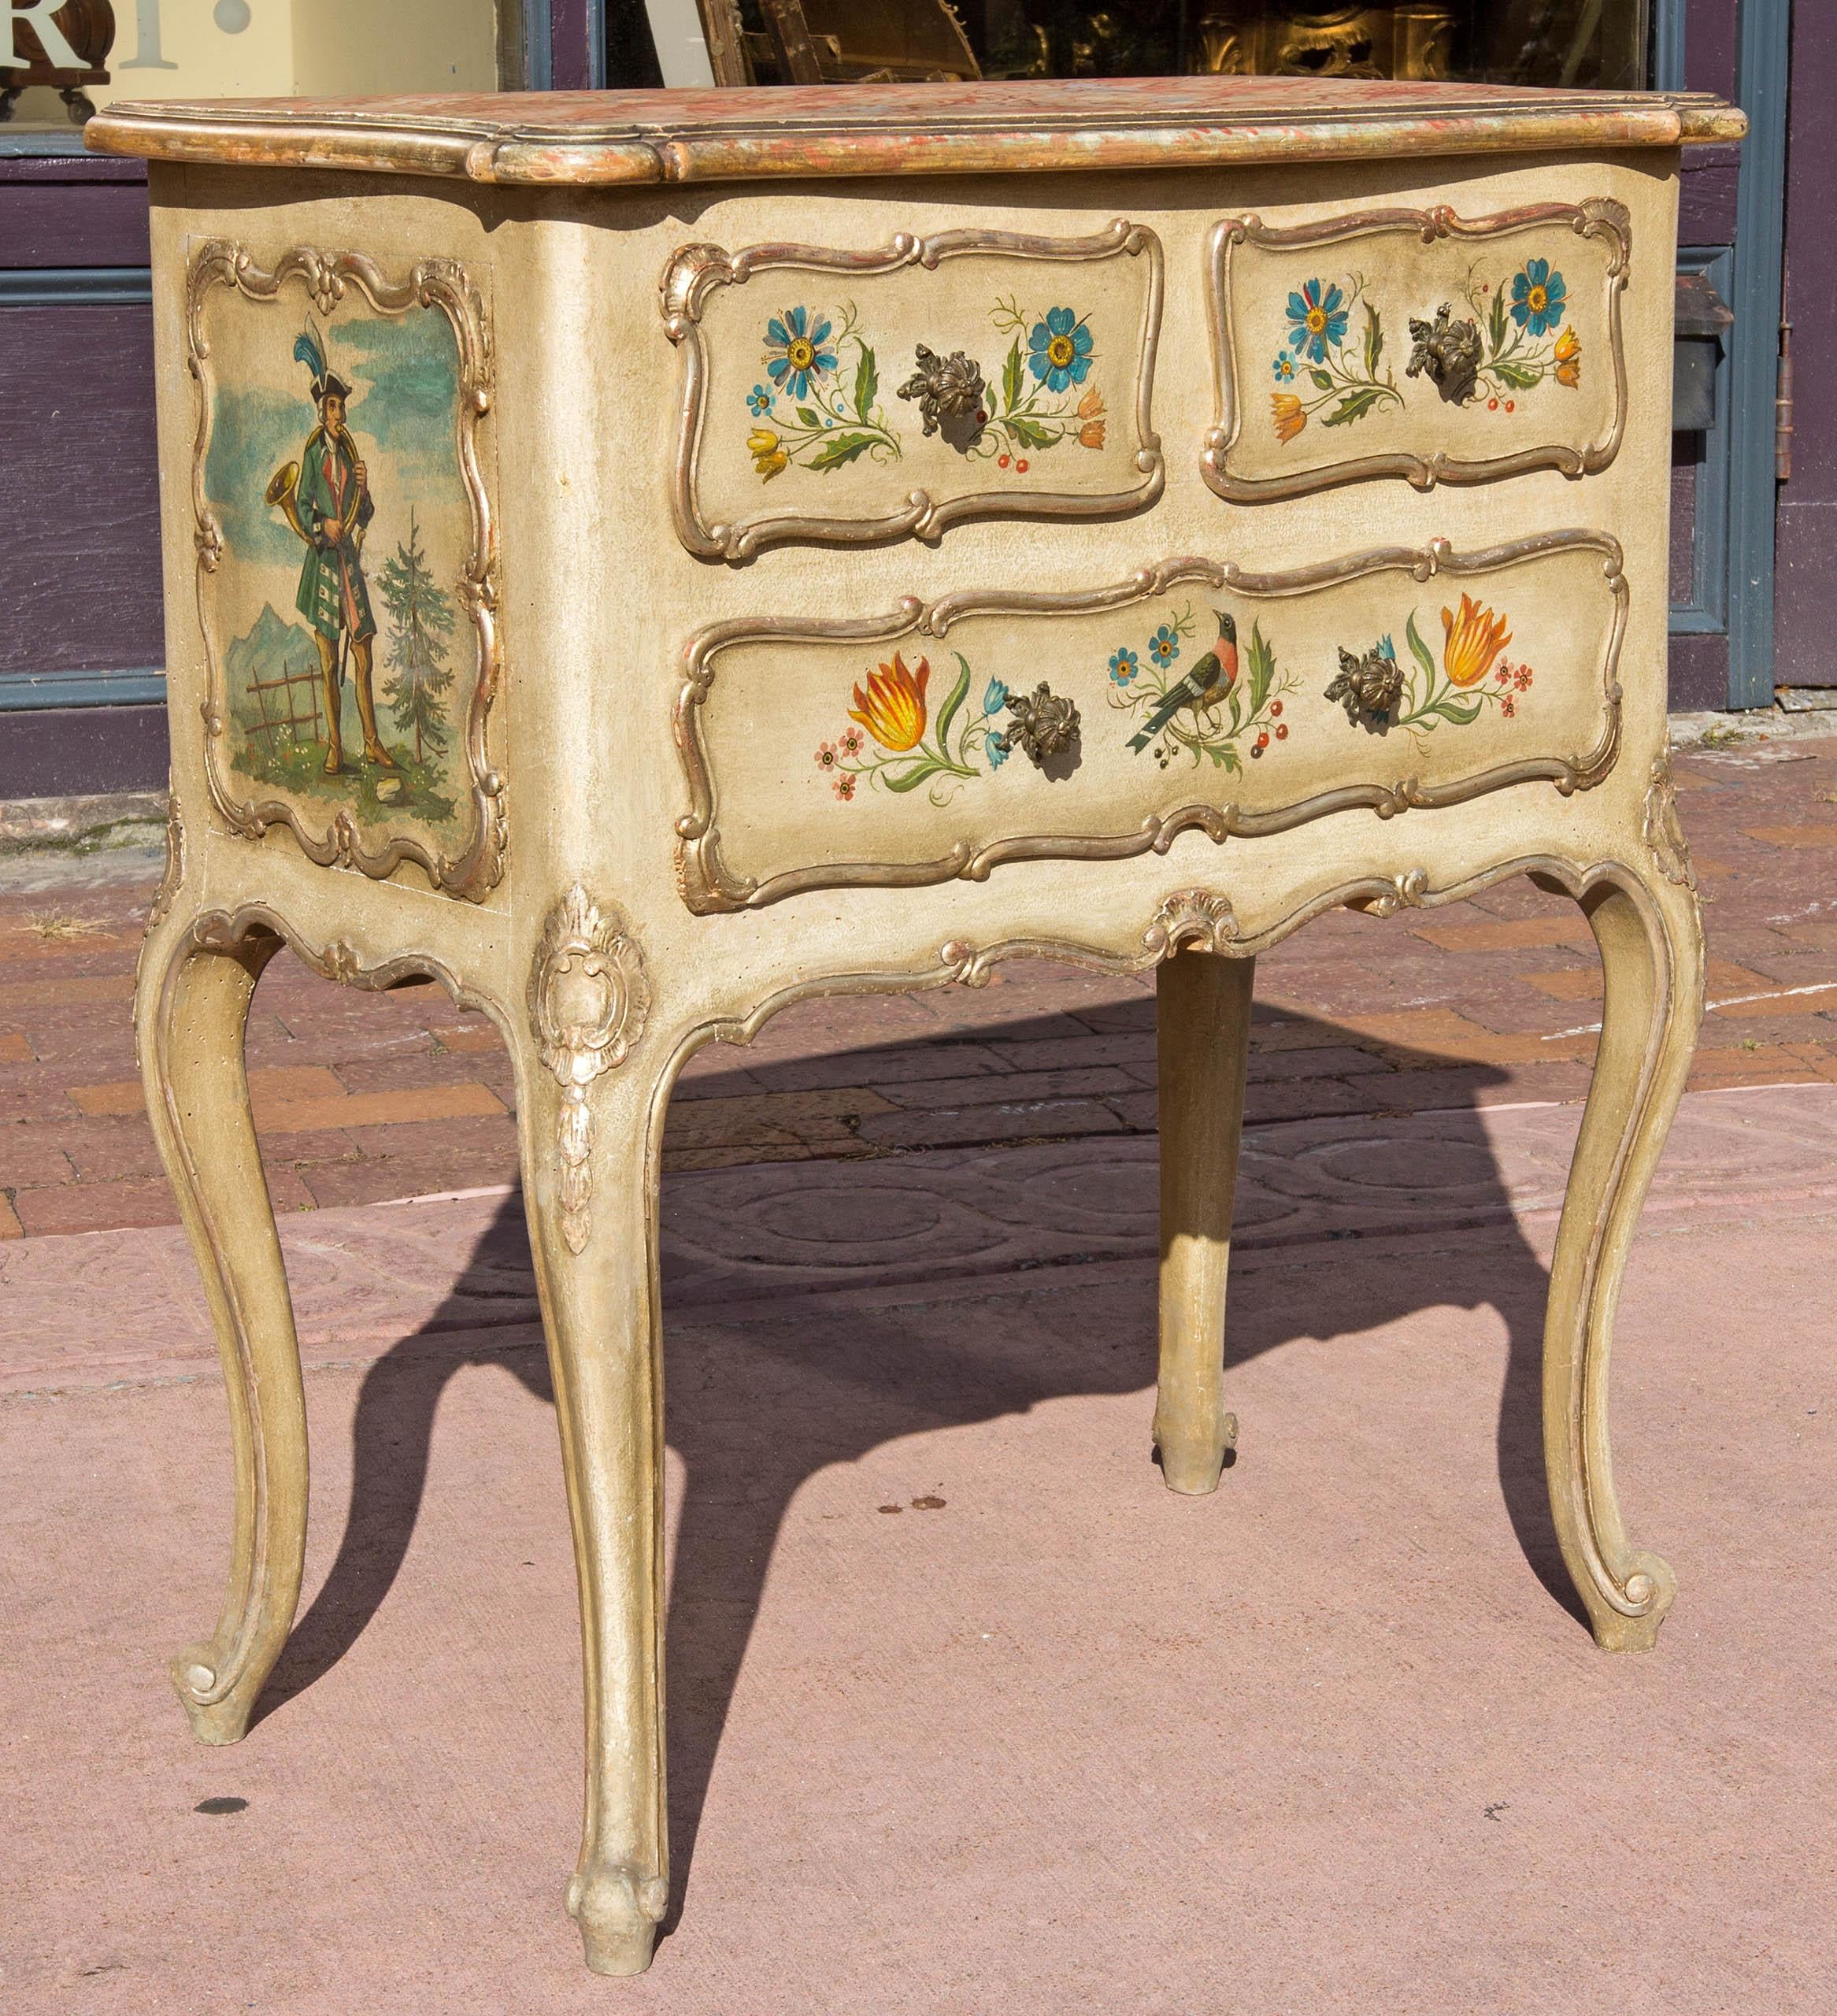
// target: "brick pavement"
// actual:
[[361, 1098]]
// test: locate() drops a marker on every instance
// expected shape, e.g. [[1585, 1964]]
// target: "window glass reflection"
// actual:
[[66, 60]]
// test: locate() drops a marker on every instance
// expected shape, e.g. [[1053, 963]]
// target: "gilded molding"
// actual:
[[174, 873], [1663, 829], [1599, 217], [693, 273], [706, 883], [441, 284], [588, 1000]]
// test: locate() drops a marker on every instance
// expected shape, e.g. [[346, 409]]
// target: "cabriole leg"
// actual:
[[596, 1265], [1650, 932], [1203, 1035], [191, 1010]]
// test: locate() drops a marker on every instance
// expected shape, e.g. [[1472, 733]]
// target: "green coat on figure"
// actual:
[[333, 595]]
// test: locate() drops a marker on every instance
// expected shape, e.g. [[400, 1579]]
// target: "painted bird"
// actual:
[[1205, 686]]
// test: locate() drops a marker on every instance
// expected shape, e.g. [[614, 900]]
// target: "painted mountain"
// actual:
[[271, 650]]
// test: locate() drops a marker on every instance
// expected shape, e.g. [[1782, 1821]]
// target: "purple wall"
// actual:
[[1806, 584], [79, 494], [80, 589]]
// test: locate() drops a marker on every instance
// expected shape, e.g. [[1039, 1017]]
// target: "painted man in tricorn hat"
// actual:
[[332, 499]]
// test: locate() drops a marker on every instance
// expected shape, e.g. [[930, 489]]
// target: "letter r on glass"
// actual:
[[59, 54]]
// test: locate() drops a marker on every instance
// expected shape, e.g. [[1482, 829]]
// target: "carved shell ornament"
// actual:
[[588, 1000]]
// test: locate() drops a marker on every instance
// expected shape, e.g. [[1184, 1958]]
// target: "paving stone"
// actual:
[[266, 1088], [382, 1179], [145, 1201], [1006, 1088], [30, 1156], [1454, 934], [1796, 836], [356, 1110], [1036, 1121]]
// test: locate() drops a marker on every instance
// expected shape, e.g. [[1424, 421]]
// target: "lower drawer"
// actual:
[[918, 746]]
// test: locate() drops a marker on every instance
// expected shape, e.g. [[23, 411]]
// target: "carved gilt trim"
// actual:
[[1599, 217], [588, 1000], [174, 872], [707, 884], [441, 284], [694, 272], [1663, 829]]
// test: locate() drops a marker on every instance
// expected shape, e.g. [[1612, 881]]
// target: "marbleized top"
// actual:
[[586, 137]]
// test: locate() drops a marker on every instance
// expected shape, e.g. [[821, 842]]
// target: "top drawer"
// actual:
[[1417, 343], [850, 397]]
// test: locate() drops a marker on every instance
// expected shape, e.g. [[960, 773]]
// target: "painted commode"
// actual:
[[645, 559]]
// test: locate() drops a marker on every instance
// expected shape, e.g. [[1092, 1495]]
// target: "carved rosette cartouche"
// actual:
[[588, 1000]]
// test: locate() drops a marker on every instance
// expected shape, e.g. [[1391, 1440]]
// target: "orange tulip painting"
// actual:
[[891, 705], [1471, 641], [893, 708], [1289, 416], [1381, 691]]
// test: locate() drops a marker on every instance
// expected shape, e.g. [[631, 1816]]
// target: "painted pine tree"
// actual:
[[421, 620]]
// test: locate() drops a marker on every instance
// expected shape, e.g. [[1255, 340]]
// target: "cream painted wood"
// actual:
[[1202, 1035], [588, 909]]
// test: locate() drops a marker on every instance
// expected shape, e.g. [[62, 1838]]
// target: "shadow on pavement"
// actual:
[[754, 1408]]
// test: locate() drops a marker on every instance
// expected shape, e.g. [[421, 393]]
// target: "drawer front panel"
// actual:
[[1417, 343], [890, 751], [849, 397]]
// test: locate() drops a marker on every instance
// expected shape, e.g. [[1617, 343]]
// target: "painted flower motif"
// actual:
[[1471, 641], [1317, 315], [1539, 298], [1091, 406], [1521, 679], [995, 699], [801, 356], [768, 455], [852, 742], [1165, 644], [1124, 667], [1283, 367], [1290, 419], [1090, 434], [1058, 350], [1508, 706], [825, 756], [758, 403], [1569, 358], [892, 710], [844, 787]]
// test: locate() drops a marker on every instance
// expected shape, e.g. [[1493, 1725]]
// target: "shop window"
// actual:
[[1579, 43]]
